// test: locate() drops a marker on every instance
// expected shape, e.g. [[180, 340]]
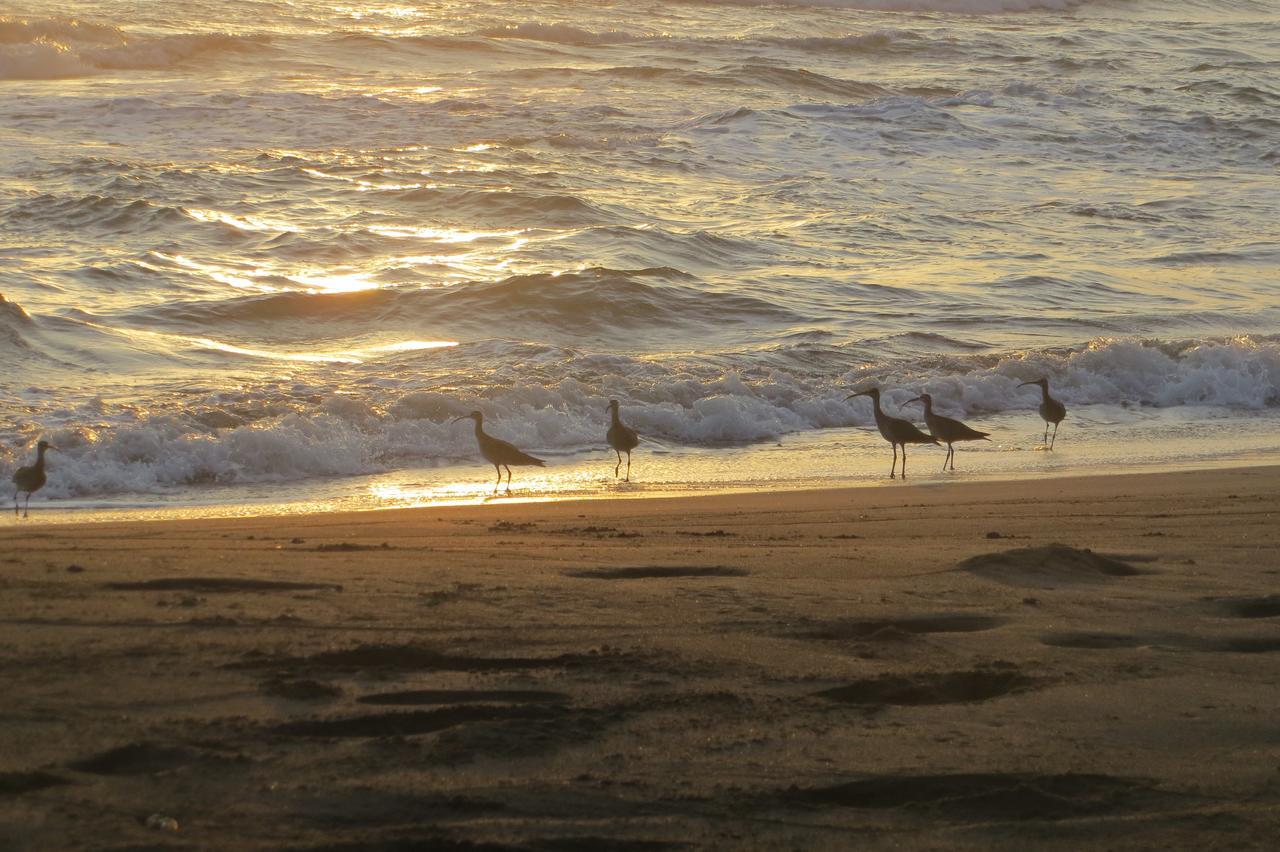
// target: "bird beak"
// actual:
[[908, 402], [852, 395], [460, 419], [1024, 384]]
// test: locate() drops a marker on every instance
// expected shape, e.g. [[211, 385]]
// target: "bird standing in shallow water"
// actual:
[[622, 438], [30, 478], [895, 430], [1051, 410], [946, 429], [499, 453]]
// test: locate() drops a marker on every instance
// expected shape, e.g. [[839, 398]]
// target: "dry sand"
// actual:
[[865, 668]]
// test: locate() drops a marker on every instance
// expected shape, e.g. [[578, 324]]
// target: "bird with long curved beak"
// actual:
[[895, 430], [622, 438], [1051, 410], [946, 429], [30, 478], [499, 453]]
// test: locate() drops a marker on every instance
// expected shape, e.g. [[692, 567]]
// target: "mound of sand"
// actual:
[[1047, 567]]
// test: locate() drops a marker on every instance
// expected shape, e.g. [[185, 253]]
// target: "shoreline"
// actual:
[[1053, 663], [386, 493]]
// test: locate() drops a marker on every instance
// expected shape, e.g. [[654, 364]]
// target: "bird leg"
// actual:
[[628, 479], [893, 469], [1046, 432], [947, 456], [904, 461], [26, 509], [508, 467], [618, 466], [15, 504], [1055, 436], [499, 482]]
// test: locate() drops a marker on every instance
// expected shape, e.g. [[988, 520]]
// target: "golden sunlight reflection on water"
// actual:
[[347, 356]]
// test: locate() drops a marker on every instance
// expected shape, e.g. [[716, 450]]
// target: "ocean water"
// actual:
[[257, 255]]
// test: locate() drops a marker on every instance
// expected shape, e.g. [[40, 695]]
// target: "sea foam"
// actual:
[[270, 436]]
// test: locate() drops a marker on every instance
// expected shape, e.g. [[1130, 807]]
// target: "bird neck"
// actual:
[[875, 401], [617, 421], [928, 407], [40, 458], [1044, 392], [479, 429]]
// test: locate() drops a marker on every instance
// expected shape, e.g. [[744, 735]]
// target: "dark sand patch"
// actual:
[[1246, 645], [645, 572], [460, 696], [300, 690], [347, 547], [1168, 641], [217, 584], [17, 783], [137, 759], [416, 658], [990, 795], [424, 843], [357, 807], [1047, 567], [594, 844], [509, 526], [889, 629], [934, 688], [1266, 606], [440, 843], [409, 724], [1097, 641]]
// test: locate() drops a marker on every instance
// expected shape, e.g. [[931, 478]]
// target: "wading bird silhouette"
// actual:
[[30, 478], [499, 453], [945, 429], [622, 438], [895, 430], [1051, 410]]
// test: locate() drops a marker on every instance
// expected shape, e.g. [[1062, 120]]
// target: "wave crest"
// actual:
[[559, 34], [551, 399], [57, 48]]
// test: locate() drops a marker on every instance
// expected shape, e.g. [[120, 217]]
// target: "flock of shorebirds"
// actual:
[[623, 439], [946, 430]]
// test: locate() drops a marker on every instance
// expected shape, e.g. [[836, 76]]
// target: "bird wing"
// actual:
[[506, 453], [957, 431], [906, 432], [623, 437]]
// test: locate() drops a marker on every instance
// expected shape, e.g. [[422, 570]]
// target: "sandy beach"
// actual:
[[1055, 663]]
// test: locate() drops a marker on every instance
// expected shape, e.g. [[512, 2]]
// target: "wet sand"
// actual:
[[1051, 664]]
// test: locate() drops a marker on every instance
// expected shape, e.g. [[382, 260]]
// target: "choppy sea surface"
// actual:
[[257, 255]]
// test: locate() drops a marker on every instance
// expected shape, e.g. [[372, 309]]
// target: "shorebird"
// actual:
[[499, 453], [622, 438], [1051, 410], [30, 478], [895, 430], [945, 429]]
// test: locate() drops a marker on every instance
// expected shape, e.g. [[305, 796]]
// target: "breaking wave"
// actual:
[[553, 403], [52, 48]]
